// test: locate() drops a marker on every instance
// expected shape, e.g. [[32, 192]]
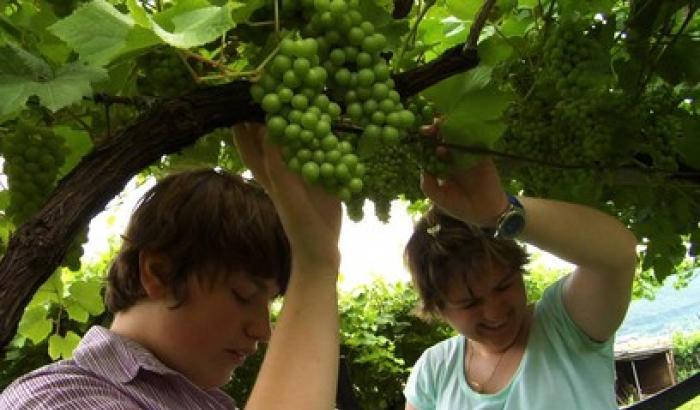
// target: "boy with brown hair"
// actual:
[[203, 257]]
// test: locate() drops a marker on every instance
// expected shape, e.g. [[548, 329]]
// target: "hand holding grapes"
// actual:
[[311, 217], [474, 195]]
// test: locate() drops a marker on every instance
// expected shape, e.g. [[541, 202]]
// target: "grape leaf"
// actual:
[[244, 12], [76, 312], [187, 24], [688, 147], [86, 294], [68, 85], [15, 61], [473, 107], [494, 50], [574, 7], [528, 3], [63, 346], [99, 44], [78, 143], [441, 29], [516, 25], [449, 92], [383, 22], [34, 325], [679, 62], [465, 10]]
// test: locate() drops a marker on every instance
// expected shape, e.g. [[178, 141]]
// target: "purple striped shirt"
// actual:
[[109, 372]]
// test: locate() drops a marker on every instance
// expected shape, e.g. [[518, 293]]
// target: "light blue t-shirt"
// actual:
[[562, 368]]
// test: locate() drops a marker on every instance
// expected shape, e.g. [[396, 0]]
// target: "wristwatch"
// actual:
[[512, 221]]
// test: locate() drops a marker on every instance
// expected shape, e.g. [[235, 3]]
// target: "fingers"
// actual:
[[431, 186], [248, 139]]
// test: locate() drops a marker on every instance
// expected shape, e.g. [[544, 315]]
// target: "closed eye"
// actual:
[[504, 286], [468, 305], [240, 298]]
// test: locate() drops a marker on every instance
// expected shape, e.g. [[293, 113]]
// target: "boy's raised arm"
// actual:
[[301, 364]]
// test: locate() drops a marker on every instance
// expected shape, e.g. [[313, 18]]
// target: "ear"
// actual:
[[151, 266]]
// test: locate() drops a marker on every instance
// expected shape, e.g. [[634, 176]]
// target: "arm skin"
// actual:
[[598, 292], [300, 368]]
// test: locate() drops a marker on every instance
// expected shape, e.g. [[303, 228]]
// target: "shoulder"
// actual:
[[445, 349], [435, 369], [556, 323], [63, 385], [439, 357]]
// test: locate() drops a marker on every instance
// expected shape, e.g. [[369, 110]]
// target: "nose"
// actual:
[[258, 327], [494, 311]]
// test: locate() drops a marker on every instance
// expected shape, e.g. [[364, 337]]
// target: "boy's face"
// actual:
[[489, 309], [216, 329]]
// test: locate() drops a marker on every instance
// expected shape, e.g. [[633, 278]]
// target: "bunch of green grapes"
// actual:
[[299, 117], [422, 109], [33, 156], [568, 53], [557, 120], [392, 171], [302, 97], [163, 73], [662, 126]]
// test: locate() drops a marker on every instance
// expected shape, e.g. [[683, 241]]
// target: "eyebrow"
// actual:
[[506, 278], [264, 287], [470, 298]]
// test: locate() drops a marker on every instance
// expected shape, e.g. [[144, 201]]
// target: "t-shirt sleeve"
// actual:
[[556, 319], [420, 387], [63, 392]]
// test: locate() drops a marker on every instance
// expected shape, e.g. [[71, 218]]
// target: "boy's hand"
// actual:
[[473, 195], [311, 216]]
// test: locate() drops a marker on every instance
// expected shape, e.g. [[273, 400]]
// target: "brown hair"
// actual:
[[205, 223], [442, 247]]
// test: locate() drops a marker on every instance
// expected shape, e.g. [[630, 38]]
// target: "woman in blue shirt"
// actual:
[[467, 269]]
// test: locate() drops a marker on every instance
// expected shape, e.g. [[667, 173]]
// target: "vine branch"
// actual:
[[478, 26]]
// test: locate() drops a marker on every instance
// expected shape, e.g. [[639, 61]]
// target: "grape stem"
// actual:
[[277, 18], [652, 67], [411, 36], [471, 149], [215, 64], [79, 120], [478, 25]]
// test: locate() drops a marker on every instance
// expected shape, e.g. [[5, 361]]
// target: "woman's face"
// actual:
[[489, 308]]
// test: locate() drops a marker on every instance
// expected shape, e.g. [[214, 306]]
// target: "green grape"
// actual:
[[354, 208], [333, 72], [163, 74], [33, 156]]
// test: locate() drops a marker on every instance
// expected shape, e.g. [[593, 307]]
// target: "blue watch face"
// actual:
[[513, 225]]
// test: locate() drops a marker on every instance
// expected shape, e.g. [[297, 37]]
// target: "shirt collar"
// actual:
[[115, 357]]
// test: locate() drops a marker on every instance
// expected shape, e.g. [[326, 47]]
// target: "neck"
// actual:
[[130, 324]]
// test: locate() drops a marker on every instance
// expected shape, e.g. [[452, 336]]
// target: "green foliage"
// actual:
[[686, 354], [380, 338], [694, 404], [60, 312], [592, 102], [538, 277], [585, 102]]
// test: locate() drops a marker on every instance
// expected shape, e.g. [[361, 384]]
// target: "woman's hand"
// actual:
[[311, 216], [473, 195]]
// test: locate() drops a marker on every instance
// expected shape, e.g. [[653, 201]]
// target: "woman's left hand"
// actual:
[[474, 195]]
